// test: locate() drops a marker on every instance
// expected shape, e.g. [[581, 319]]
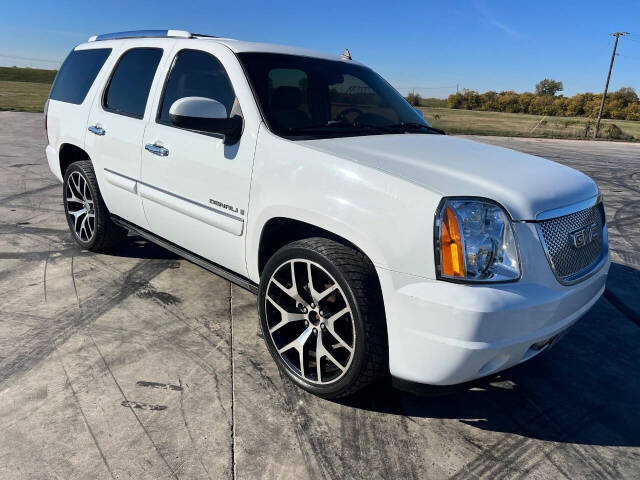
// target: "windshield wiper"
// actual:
[[404, 127], [360, 127], [408, 126], [324, 126]]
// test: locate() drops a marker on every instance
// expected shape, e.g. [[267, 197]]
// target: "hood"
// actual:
[[524, 184]]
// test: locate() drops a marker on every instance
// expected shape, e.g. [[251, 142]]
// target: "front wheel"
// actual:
[[322, 317]]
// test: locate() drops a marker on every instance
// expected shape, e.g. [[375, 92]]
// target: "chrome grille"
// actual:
[[568, 262]]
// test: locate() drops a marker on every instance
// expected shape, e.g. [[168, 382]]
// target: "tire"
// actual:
[[93, 230], [344, 332]]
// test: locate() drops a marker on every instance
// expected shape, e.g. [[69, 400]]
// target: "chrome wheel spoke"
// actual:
[[286, 317], [293, 290], [315, 294], [72, 197], [77, 192], [83, 227], [325, 353], [298, 344], [341, 342], [90, 225], [328, 358]]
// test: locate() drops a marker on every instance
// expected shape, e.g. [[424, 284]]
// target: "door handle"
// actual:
[[156, 149], [97, 130]]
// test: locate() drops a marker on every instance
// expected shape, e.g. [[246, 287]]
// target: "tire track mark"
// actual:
[[44, 280], [189, 433], [131, 408], [218, 347], [73, 279], [37, 343], [15, 196], [84, 417]]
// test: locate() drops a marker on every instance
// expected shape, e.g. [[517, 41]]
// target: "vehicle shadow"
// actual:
[[585, 390], [134, 246]]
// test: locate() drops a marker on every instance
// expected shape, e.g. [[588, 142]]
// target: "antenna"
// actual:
[[346, 55]]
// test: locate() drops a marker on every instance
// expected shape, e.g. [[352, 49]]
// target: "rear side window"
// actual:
[[196, 74], [130, 82], [77, 74]]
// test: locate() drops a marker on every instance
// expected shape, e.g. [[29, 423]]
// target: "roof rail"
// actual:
[[141, 34]]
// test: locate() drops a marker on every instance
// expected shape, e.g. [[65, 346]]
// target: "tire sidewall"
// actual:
[[359, 359], [76, 167]]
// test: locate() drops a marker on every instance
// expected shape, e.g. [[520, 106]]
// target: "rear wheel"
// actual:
[[322, 317], [87, 215]]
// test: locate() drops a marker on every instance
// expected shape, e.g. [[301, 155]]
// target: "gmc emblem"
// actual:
[[584, 236]]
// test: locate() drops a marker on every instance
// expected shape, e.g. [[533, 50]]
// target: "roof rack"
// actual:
[[143, 34]]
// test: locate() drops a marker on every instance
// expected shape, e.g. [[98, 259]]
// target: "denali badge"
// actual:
[[227, 207], [584, 236]]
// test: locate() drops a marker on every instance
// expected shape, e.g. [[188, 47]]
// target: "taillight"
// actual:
[[46, 127]]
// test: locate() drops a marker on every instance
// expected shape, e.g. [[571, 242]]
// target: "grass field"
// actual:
[[474, 122], [35, 75], [23, 96]]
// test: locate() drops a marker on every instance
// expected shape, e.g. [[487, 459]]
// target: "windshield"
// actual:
[[305, 97]]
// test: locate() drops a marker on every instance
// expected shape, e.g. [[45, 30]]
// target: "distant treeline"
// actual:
[[35, 75], [621, 105]]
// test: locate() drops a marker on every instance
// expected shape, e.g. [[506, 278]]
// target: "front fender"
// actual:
[[388, 218]]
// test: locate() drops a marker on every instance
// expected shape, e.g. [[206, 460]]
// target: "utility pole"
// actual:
[[606, 87]]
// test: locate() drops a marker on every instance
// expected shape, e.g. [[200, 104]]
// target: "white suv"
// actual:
[[376, 244]]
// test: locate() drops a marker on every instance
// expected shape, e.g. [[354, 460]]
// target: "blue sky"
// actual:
[[430, 46]]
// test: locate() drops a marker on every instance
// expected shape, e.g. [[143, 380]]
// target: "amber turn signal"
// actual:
[[451, 245]]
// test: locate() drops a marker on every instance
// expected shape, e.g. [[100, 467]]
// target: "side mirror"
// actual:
[[206, 115]]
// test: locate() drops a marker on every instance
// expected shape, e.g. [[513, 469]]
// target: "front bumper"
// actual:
[[443, 333]]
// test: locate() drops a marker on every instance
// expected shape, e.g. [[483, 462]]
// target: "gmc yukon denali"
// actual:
[[376, 244]]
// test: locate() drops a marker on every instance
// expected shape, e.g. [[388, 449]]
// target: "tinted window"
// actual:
[[314, 97], [128, 89], [77, 74], [196, 74]]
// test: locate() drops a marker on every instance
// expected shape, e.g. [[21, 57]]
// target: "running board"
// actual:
[[192, 257]]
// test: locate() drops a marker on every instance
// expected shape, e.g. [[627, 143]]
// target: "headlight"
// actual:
[[475, 242]]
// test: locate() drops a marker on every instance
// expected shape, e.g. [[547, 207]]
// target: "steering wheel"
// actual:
[[341, 116]]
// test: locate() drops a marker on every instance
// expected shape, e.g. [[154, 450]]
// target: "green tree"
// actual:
[[548, 87], [414, 99]]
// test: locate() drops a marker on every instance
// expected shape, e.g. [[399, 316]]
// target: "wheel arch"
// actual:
[[279, 231], [70, 153]]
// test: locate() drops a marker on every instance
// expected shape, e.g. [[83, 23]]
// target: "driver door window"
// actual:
[[196, 74]]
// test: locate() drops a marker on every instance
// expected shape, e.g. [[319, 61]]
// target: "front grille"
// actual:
[[568, 262]]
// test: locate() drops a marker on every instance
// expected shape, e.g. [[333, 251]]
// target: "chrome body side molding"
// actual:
[[212, 216]]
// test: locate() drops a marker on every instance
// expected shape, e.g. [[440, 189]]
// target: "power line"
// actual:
[[606, 86]]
